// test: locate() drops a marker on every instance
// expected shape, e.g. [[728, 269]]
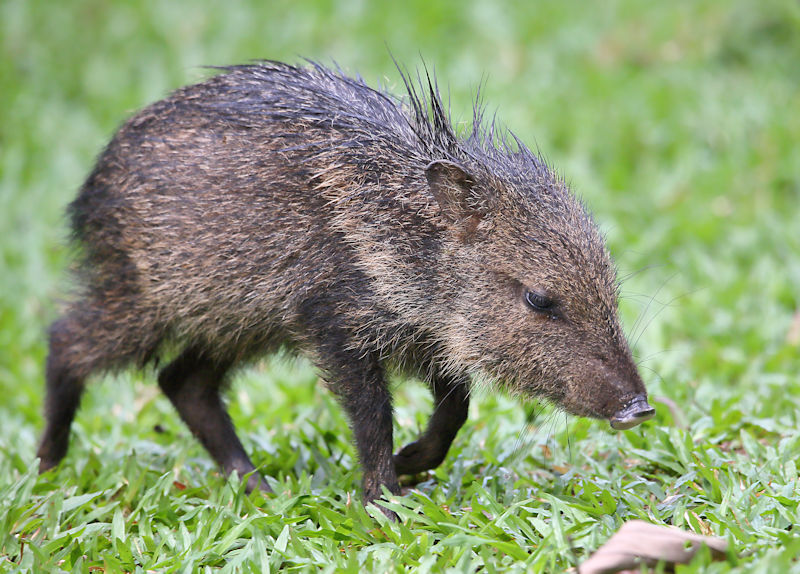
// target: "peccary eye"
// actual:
[[539, 302]]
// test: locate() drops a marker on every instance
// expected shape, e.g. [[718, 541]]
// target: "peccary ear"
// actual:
[[454, 190]]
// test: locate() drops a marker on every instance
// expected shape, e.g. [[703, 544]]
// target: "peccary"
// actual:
[[276, 206]]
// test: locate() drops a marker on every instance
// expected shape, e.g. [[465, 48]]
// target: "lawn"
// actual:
[[676, 122]]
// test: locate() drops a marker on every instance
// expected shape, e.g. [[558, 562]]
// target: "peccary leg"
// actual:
[[65, 384], [193, 384], [451, 402], [87, 339], [364, 395]]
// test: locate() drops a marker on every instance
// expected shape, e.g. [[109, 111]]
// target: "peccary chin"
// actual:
[[279, 205]]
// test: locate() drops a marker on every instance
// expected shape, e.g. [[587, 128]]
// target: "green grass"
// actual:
[[677, 122]]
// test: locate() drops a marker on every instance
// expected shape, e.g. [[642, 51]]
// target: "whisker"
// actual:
[[640, 270], [639, 319], [569, 438], [650, 357], [669, 304], [660, 378]]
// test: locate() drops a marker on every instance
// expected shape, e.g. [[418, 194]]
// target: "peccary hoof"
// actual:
[[256, 482], [417, 457]]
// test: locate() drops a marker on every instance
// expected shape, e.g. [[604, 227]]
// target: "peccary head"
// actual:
[[536, 305]]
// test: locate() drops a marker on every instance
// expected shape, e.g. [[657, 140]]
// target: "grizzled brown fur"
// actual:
[[275, 205]]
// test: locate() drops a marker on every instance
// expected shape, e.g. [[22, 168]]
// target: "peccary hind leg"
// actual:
[[193, 382], [65, 384], [87, 339], [451, 403]]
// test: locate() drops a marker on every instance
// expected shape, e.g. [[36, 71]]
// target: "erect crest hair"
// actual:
[[487, 146]]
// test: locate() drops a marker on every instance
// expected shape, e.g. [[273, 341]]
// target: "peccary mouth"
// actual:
[[635, 411]]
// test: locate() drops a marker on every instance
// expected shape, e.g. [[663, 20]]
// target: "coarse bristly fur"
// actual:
[[275, 205]]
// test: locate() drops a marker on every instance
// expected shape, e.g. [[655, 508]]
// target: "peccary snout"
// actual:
[[633, 413]]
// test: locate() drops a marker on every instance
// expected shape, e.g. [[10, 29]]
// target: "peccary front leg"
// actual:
[[193, 382], [451, 403], [363, 393]]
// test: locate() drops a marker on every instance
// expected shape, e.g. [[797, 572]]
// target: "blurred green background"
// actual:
[[677, 122]]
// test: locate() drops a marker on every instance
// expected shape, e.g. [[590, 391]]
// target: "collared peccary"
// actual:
[[280, 206]]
